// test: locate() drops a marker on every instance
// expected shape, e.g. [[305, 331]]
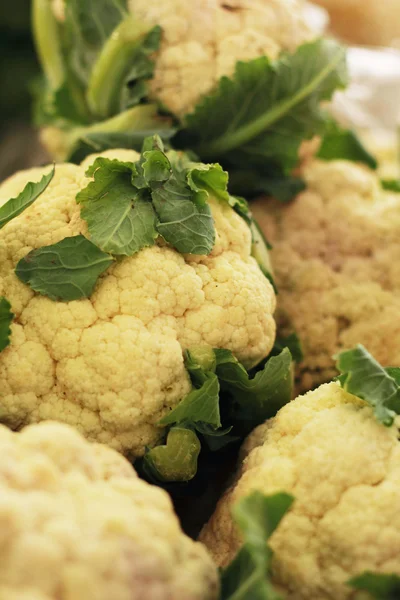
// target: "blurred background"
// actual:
[[371, 104], [19, 146]]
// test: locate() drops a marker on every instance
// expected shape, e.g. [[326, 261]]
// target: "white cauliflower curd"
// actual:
[[342, 467], [77, 523], [336, 254]]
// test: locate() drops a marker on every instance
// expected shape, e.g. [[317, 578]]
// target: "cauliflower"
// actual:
[[202, 41], [214, 77], [112, 365], [365, 22], [336, 254], [343, 468], [77, 522]]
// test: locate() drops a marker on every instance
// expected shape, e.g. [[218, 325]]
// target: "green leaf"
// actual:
[[255, 399], [260, 116], [391, 185], [344, 144], [177, 460], [292, 342], [186, 226], [199, 406], [142, 68], [29, 194], [6, 317], [260, 251], [156, 167], [88, 25], [248, 576], [379, 586], [284, 189], [128, 47], [64, 271], [209, 180], [363, 376], [120, 218]]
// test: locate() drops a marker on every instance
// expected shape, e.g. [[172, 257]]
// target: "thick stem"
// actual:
[[113, 66], [177, 461], [48, 43]]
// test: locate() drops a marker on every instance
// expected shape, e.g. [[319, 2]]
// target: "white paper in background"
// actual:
[[372, 100], [371, 103], [317, 18]]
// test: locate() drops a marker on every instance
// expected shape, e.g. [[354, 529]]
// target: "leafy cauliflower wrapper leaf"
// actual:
[[336, 255], [342, 467], [113, 365], [77, 522]]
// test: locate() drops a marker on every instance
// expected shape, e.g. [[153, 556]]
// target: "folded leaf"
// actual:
[[120, 218], [177, 460], [64, 271], [362, 376], [6, 317]]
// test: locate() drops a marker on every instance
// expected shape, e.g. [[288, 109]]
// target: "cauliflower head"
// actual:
[[77, 522], [343, 468], [336, 253], [112, 365], [202, 41]]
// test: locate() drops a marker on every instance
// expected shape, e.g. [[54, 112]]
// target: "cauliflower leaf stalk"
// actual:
[[10, 210], [95, 73], [225, 405], [97, 95], [248, 576]]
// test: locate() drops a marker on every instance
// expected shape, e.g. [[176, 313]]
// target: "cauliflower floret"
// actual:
[[365, 22], [343, 469], [336, 259], [76, 522], [113, 365]]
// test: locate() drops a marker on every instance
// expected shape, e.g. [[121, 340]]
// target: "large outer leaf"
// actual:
[[65, 271], [262, 114]]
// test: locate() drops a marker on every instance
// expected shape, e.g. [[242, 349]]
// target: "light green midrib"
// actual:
[[248, 132]]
